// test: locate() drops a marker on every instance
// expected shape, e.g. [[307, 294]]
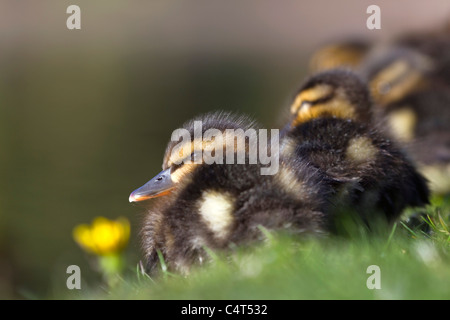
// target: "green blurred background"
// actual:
[[85, 114]]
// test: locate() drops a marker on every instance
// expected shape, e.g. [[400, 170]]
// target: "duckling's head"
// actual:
[[395, 73], [337, 93], [205, 139], [349, 53]]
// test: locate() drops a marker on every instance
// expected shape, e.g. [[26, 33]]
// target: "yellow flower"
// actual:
[[103, 237]]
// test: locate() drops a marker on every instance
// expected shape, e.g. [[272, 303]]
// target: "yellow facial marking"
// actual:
[[338, 107], [395, 82], [216, 210], [360, 150], [334, 56], [402, 123], [203, 149], [310, 95], [182, 153], [179, 153], [182, 171]]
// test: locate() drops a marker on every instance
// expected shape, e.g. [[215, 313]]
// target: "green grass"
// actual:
[[414, 264]]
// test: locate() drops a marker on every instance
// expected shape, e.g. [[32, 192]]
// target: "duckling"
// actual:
[[396, 72], [412, 98], [433, 43], [332, 128], [219, 205], [348, 53]]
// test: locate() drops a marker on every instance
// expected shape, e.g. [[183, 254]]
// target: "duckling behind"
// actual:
[[348, 53], [414, 99], [432, 43], [331, 128]]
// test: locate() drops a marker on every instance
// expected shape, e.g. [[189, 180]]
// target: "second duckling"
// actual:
[[413, 99], [332, 128]]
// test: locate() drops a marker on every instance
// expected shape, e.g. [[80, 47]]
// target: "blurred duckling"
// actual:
[[348, 53], [396, 72], [434, 43], [331, 127], [413, 100], [218, 205]]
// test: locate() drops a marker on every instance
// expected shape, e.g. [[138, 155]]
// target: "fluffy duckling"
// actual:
[[348, 53], [331, 128], [396, 72], [432, 43], [218, 205], [413, 99]]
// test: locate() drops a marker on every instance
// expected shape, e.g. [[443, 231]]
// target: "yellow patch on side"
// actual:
[[438, 176], [216, 210], [402, 123], [288, 181], [287, 147], [361, 149]]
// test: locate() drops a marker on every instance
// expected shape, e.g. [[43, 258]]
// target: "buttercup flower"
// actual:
[[104, 237]]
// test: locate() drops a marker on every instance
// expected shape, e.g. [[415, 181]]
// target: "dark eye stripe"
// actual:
[[322, 100], [400, 78]]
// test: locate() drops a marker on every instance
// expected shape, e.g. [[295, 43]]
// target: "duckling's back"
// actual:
[[362, 163]]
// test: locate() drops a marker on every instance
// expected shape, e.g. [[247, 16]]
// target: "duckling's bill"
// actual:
[[160, 185]]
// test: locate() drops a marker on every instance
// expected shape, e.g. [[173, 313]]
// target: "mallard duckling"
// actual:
[[433, 43], [217, 205], [396, 72], [413, 100], [332, 129], [348, 53]]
